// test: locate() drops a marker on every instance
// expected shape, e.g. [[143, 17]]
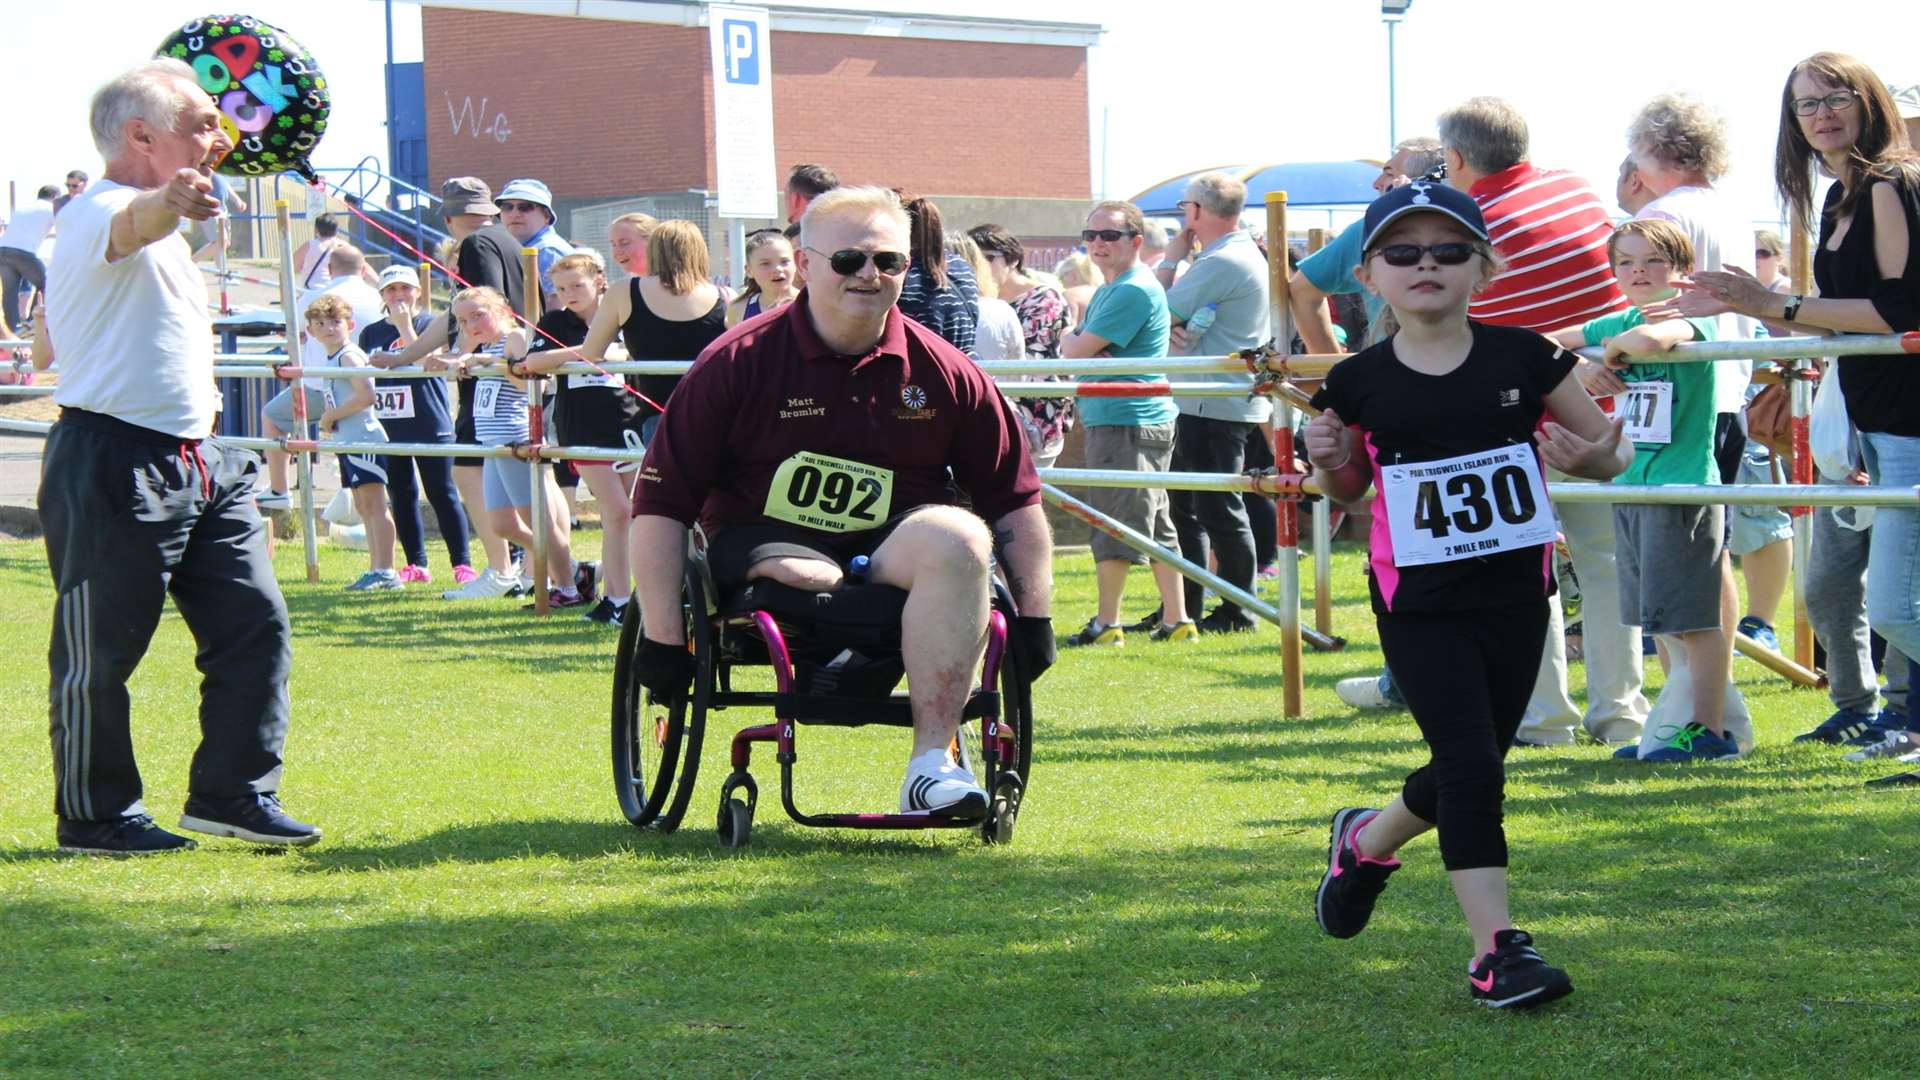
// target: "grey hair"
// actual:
[[1487, 133], [148, 92], [1424, 154], [1218, 194], [1681, 134], [849, 202]]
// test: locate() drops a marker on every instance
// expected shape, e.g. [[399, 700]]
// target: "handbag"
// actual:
[[1770, 419]]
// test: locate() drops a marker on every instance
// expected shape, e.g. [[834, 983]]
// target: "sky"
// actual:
[[1177, 89]]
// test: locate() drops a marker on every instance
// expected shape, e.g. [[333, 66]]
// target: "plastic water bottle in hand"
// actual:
[[1202, 321]]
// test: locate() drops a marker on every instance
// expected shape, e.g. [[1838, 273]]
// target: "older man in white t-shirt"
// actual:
[[137, 503]]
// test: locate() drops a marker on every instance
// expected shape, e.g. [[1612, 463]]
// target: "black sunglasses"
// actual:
[[1111, 236], [848, 261], [1451, 253], [509, 204]]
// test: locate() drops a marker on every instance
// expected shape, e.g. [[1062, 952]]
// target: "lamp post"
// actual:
[[1391, 12]]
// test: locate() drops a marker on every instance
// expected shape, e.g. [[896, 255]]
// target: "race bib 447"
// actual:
[[830, 493], [1466, 507]]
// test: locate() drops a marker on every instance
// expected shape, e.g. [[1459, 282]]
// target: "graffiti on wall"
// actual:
[[475, 120]]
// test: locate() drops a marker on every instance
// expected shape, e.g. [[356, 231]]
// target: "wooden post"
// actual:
[[536, 432], [1800, 468], [1316, 239], [1287, 510], [303, 461], [426, 286]]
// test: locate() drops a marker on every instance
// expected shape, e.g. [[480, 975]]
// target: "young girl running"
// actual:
[[500, 419], [1441, 419]]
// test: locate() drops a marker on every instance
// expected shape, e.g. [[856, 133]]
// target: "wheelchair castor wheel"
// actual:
[[736, 823], [1002, 812], [735, 820]]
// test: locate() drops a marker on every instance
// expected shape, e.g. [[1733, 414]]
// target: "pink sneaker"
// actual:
[[416, 575], [463, 574]]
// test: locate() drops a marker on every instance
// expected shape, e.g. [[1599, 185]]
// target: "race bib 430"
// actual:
[[830, 493], [1466, 507]]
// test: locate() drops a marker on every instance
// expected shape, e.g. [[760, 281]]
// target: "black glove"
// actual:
[[665, 670], [1031, 640]]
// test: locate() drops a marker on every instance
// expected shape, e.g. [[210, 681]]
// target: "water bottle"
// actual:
[[1201, 322], [857, 568]]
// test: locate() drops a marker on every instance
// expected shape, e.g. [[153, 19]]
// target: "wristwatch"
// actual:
[[1792, 309]]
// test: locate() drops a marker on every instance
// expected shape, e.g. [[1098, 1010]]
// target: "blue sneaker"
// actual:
[[1756, 628], [1843, 726], [258, 818], [1694, 743], [377, 581], [1888, 722]]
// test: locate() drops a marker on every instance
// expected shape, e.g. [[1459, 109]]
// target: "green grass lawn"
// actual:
[[479, 907]]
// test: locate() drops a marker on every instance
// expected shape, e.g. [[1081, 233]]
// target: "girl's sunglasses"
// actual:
[[847, 261], [1451, 253]]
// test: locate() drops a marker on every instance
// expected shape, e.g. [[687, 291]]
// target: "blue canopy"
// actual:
[[1313, 183]]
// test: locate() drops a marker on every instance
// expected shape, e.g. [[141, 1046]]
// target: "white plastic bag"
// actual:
[[1830, 434], [341, 511], [1673, 709]]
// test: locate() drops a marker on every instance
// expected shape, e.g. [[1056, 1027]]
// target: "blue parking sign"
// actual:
[[742, 51]]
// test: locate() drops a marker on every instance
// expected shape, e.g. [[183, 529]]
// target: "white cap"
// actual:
[[398, 274]]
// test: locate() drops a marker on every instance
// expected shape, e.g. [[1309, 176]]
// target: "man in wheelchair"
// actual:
[[836, 427]]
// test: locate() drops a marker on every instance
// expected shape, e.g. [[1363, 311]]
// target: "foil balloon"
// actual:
[[273, 100]]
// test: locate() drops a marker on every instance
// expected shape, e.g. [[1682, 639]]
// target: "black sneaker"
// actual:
[[1513, 976], [136, 835], [1351, 884], [606, 613], [1223, 621], [1146, 625], [258, 818]]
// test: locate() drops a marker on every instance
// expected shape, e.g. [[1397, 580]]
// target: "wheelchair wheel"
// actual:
[[645, 750], [690, 717]]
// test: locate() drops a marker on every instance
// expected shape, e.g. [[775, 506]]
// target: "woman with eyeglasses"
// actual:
[[672, 313], [1837, 117], [771, 281]]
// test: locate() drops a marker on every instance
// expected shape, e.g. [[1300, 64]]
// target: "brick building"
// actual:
[[615, 111]]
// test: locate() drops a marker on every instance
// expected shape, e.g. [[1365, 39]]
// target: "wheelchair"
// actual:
[[836, 661]]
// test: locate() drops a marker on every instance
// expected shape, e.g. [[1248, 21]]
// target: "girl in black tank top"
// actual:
[[650, 337]]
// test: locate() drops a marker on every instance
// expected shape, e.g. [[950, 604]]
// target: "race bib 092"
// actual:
[[830, 493], [1466, 507]]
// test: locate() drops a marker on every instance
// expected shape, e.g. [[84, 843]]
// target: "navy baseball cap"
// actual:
[[1422, 195]]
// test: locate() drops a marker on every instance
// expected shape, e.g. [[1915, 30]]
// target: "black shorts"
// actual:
[[736, 548], [463, 432]]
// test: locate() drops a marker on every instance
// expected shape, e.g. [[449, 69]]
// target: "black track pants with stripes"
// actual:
[[132, 515]]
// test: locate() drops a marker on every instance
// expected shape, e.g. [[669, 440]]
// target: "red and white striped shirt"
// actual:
[[1552, 231]]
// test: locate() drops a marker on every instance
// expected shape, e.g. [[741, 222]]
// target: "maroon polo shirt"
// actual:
[[770, 388]]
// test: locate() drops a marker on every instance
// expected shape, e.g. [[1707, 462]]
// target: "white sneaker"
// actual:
[[1365, 692], [273, 500], [488, 585], [946, 790], [1896, 744]]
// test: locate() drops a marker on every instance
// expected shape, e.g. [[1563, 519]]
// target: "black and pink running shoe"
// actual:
[[1513, 976], [1352, 882]]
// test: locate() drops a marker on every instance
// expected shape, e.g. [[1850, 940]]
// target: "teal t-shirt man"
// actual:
[[1687, 456], [1131, 313]]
